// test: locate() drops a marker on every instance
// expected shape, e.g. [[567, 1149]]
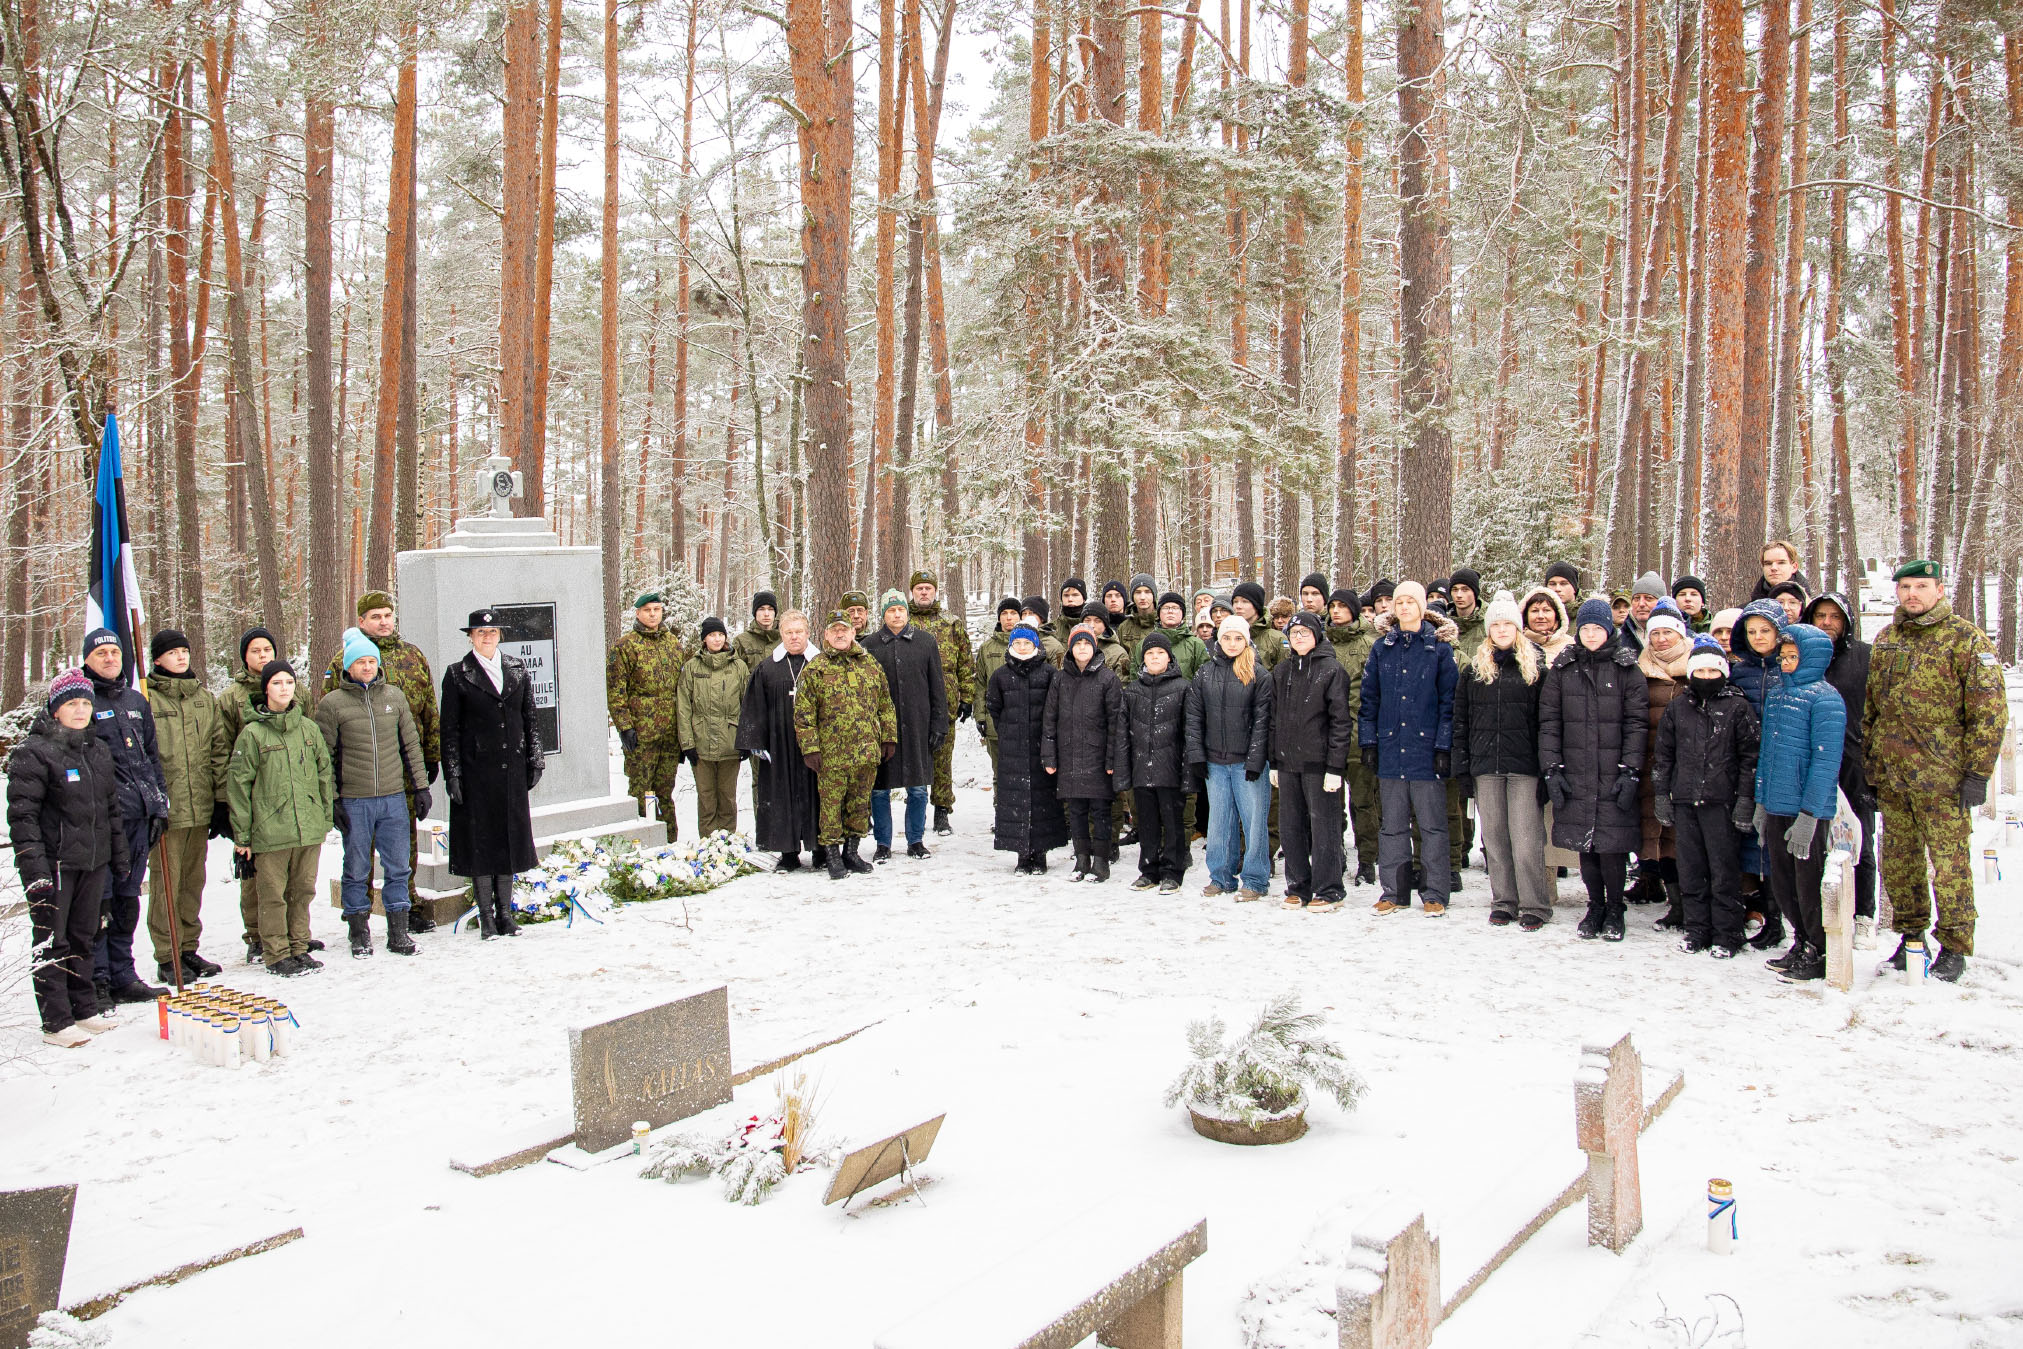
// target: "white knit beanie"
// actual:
[[1235, 625], [1503, 609]]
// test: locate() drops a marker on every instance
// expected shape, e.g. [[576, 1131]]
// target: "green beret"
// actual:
[[648, 597], [373, 599], [923, 578], [857, 598], [1917, 567]]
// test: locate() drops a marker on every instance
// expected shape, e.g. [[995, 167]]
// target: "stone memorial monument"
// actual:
[[34, 1242], [658, 1064], [1608, 1111], [551, 600]]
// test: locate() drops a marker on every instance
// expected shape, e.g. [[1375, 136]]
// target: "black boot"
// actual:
[[853, 859], [481, 900], [882, 853], [256, 952], [421, 917], [941, 824], [360, 927], [1612, 922], [1025, 865], [917, 851], [1039, 864], [819, 857], [1591, 922], [1809, 963], [789, 861], [832, 859], [1784, 963], [1772, 933], [1947, 967], [397, 939], [1081, 862], [1101, 862], [503, 918], [1675, 908], [1366, 873]]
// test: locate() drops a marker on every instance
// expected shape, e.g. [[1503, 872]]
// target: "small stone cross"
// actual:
[[1389, 1296], [496, 476], [1608, 1111]]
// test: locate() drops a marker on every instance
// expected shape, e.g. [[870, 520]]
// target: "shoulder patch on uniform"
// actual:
[[1988, 658]]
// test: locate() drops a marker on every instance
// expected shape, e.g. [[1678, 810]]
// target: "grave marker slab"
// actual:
[[1608, 1107], [1836, 903], [882, 1160], [1390, 1296], [659, 1064], [34, 1242]]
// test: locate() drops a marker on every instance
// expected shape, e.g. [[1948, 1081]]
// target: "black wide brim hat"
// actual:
[[481, 618]]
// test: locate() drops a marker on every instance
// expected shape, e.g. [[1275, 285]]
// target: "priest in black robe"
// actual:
[[783, 787]]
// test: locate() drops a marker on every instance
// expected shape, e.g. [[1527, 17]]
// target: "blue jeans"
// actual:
[[1237, 812], [377, 822], [916, 816]]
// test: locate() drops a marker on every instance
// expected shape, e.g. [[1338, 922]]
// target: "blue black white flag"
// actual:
[[112, 598]]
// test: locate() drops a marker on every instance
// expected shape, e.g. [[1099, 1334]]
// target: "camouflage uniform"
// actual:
[[641, 676], [843, 712], [1352, 644], [994, 651], [958, 674], [1936, 713]]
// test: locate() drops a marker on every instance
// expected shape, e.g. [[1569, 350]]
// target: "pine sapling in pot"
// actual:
[[1267, 1073]]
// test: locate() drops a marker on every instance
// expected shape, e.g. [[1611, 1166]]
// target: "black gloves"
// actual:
[[1624, 789], [1661, 806], [341, 817], [1443, 763], [42, 891], [629, 738], [1251, 775], [1370, 757], [157, 826], [433, 769], [422, 801], [221, 820], [1743, 817], [1973, 791], [454, 785], [1558, 788], [963, 711], [688, 755]]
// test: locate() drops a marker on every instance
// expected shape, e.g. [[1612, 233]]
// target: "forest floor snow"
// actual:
[[1873, 1139]]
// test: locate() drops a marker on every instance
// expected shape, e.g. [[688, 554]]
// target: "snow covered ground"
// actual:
[[1873, 1141]]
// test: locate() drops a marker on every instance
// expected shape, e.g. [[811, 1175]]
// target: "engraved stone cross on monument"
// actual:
[[497, 477]]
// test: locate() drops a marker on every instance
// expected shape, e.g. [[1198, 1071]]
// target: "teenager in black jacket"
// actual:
[[1593, 727], [1155, 714], [1703, 783], [1312, 735], [69, 839], [1496, 761], [1086, 749]]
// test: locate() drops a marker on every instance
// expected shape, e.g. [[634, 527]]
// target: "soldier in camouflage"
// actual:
[[958, 673], [844, 720], [1933, 727], [857, 604], [403, 666], [640, 678]]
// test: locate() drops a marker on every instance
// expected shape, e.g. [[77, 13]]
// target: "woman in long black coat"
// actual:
[[1592, 727], [783, 787], [491, 762], [1029, 820], [1087, 747]]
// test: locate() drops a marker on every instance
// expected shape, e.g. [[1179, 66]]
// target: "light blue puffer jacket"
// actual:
[[1804, 728]]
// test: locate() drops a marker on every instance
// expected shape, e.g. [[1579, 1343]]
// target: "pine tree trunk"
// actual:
[[1759, 280], [1236, 134], [535, 425], [926, 128], [818, 40], [2008, 417], [326, 597], [1425, 306], [874, 542], [393, 354], [519, 226], [1725, 545], [1841, 496], [1349, 416], [607, 339], [183, 376], [1033, 571], [678, 469], [1687, 553], [20, 486], [1109, 469], [1292, 326], [1786, 408], [1151, 263]]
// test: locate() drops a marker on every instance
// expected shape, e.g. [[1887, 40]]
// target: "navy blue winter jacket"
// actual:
[[1804, 725], [1408, 697], [1747, 671]]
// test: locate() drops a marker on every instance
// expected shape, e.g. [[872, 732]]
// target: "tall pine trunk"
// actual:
[[1349, 413], [607, 337], [394, 356], [1425, 305], [1728, 549], [1759, 278]]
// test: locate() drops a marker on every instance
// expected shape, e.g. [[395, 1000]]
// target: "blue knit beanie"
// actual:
[[357, 646], [1595, 611]]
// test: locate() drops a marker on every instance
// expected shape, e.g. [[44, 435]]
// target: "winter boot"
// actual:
[[1647, 888], [503, 917], [789, 861], [397, 940], [1366, 873], [941, 824], [1082, 865], [918, 851], [1896, 962], [1772, 933], [360, 926], [1039, 864], [819, 857], [882, 854], [1612, 922], [1810, 963], [834, 863], [853, 859], [1782, 964], [1675, 908], [1949, 966], [421, 918], [1101, 862], [1591, 922], [481, 897], [255, 952]]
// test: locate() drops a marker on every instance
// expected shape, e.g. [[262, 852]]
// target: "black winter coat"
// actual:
[[57, 821], [1496, 725], [1705, 753], [491, 749], [1228, 721], [783, 791], [1086, 740], [1311, 730], [1593, 722], [911, 660], [1155, 710], [1029, 818], [1848, 674], [121, 717]]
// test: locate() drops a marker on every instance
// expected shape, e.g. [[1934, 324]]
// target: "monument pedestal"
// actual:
[[551, 605]]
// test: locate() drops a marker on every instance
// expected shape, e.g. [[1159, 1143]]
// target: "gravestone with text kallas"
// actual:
[[659, 1064], [34, 1241]]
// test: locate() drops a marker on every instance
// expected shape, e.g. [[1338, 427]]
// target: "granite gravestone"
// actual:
[[34, 1240], [659, 1064]]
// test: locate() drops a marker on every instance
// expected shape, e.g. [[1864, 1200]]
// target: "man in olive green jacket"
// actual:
[[190, 738]]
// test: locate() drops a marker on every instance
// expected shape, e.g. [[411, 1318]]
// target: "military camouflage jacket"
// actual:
[[843, 709], [1936, 705], [958, 665], [641, 677], [402, 665]]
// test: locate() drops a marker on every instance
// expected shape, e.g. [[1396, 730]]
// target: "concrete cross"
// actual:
[[1389, 1296], [1608, 1111], [496, 476]]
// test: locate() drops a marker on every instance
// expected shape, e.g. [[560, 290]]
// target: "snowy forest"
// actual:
[[804, 298]]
